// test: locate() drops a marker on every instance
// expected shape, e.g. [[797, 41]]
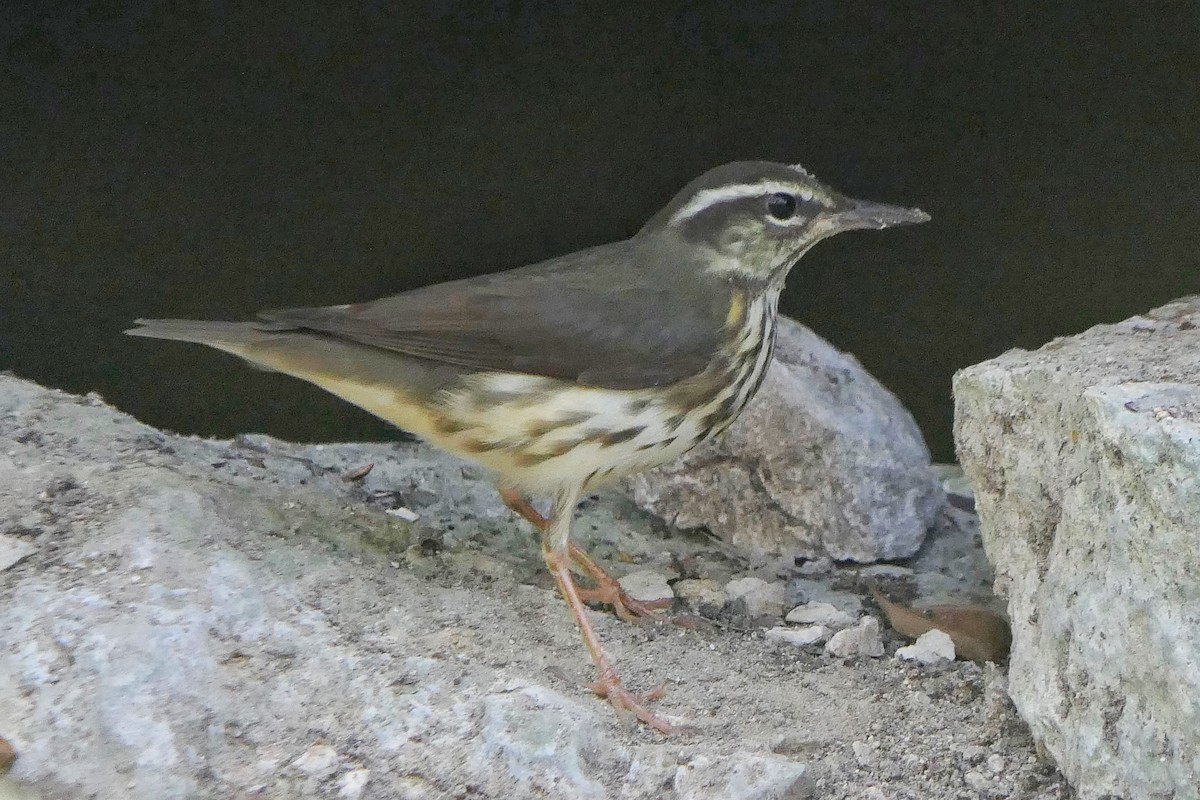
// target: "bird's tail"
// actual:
[[232, 336], [389, 385]]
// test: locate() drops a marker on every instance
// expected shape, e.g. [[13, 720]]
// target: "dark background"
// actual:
[[208, 160]]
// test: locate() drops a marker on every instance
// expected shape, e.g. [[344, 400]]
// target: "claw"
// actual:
[[608, 686]]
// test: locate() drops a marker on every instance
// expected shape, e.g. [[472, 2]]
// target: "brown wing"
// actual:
[[566, 318]]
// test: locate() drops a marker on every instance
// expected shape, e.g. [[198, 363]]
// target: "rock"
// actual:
[[931, 647], [701, 595], [798, 637], [318, 761], [824, 462], [974, 753], [649, 587], [865, 754], [815, 566], [826, 614], [762, 599], [976, 781], [1084, 457], [749, 777], [352, 783], [13, 550], [278, 640], [806, 590], [861, 640], [886, 571]]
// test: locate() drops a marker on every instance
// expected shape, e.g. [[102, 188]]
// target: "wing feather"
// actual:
[[565, 318]]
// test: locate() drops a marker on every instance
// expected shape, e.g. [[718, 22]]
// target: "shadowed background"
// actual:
[[202, 160]]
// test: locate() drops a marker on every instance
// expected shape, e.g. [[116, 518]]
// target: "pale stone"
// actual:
[[318, 761], [12, 550], [816, 613], [798, 637], [931, 647], [648, 587], [1085, 456], [762, 599], [861, 640], [701, 594]]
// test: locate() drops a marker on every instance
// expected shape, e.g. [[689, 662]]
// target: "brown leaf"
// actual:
[[358, 473], [7, 755], [978, 634]]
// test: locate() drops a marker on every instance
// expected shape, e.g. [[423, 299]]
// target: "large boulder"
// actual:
[[824, 462], [1085, 458]]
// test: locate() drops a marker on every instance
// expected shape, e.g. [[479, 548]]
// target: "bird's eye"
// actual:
[[781, 205]]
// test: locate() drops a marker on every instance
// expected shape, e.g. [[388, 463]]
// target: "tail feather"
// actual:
[[391, 386], [216, 334]]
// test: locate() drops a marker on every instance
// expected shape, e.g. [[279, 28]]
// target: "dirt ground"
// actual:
[[192, 618]]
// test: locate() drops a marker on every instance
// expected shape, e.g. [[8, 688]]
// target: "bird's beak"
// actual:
[[858, 214]]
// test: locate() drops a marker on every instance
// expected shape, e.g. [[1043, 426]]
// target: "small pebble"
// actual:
[[996, 763], [973, 753], [648, 587], [812, 590], [319, 761], [861, 640], [406, 514], [885, 571], [816, 566], [701, 595], [762, 599], [799, 637], [931, 647], [13, 550], [864, 753], [351, 784], [826, 614], [976, 781]]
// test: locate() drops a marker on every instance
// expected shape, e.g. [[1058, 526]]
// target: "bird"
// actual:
[[572, 373]]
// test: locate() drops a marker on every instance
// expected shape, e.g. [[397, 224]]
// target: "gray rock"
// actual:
[[806, 590], [13, 550], [798, 637], [1084, 457], [826, 614], [647, 586], [220, 619], [701, 595], [931, 647], [824, 462], [762, 599], [865, 754], [861, 640], [748, 777]]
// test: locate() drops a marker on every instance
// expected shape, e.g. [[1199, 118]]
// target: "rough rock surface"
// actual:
[[824, 462], [244, 619], [1085, 457]]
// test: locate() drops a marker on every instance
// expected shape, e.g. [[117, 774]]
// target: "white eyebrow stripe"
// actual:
[[707, 198]]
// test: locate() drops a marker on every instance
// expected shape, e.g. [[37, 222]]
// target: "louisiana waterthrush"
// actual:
[[577, 371]]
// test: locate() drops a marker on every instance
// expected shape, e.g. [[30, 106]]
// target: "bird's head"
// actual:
[[752, 220]]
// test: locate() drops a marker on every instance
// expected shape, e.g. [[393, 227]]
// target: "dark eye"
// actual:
[[781, 205]]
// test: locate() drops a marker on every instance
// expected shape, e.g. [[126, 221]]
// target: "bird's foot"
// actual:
[[608, 686], [609, 592]]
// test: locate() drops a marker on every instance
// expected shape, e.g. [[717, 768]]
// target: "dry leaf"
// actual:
[[7, 755], [978, 634], [358, 473]]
